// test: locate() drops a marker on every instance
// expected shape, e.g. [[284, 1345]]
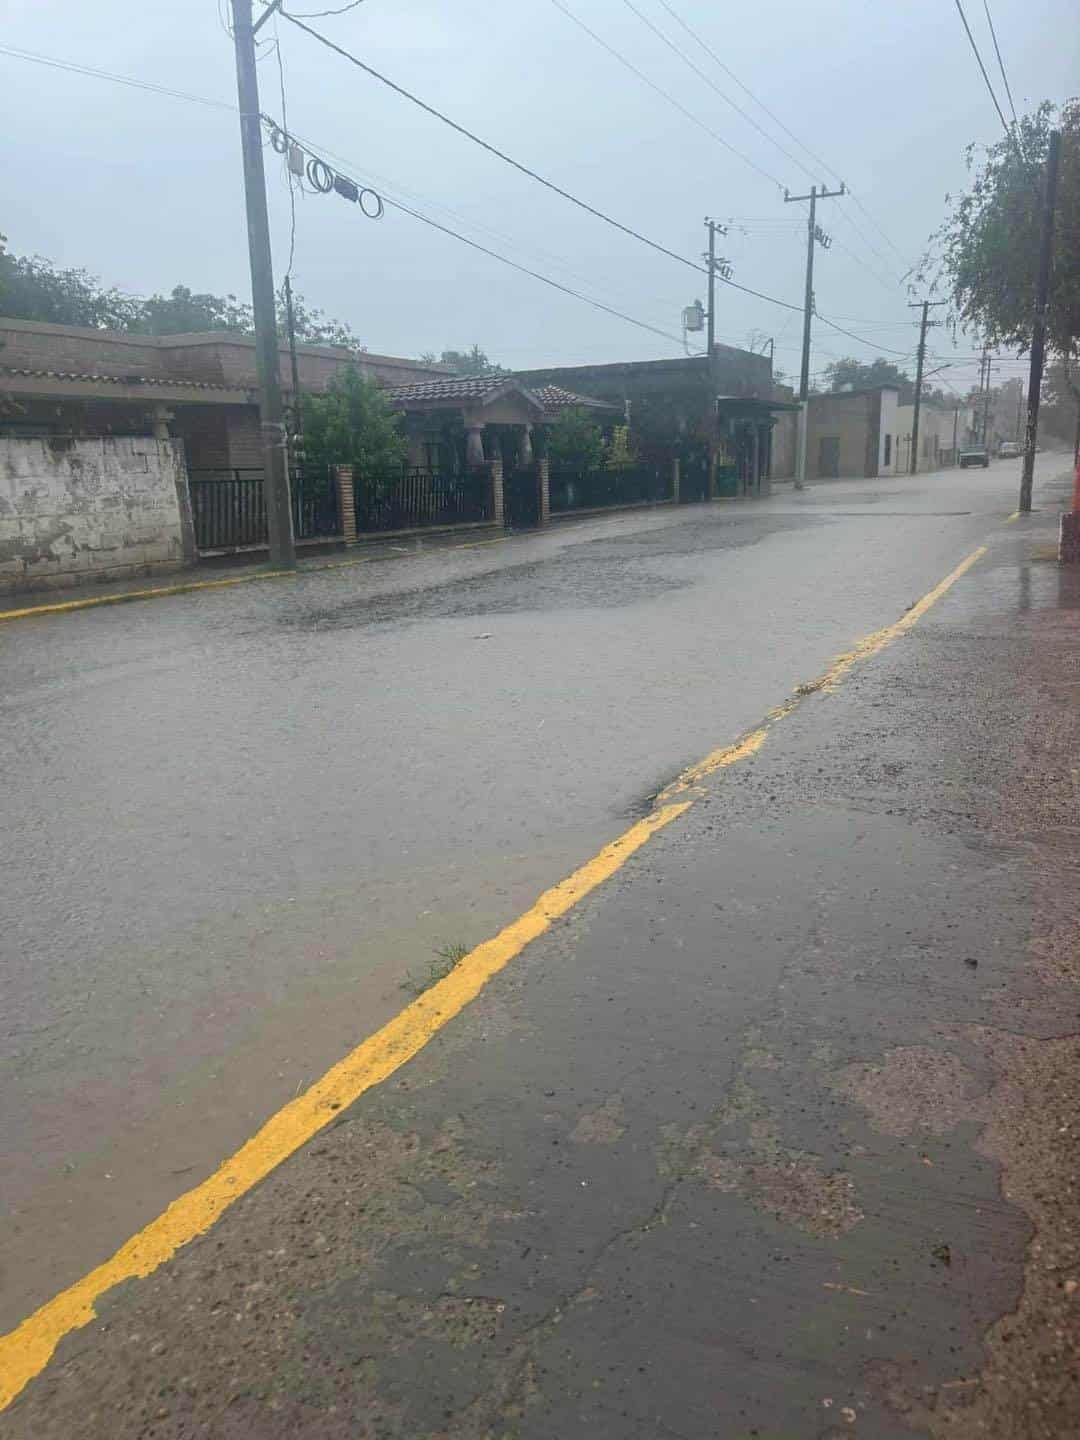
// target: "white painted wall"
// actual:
[[73, 511]]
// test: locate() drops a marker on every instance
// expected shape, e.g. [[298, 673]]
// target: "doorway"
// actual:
[[828, 465]]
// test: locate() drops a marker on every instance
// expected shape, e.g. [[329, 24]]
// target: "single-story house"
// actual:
[[715, 418]]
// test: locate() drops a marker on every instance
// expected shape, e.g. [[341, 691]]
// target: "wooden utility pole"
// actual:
[[710, 319], [715, 267], [275, 464], [1038, 333], [987, 361], [924, 325], [813, 234]]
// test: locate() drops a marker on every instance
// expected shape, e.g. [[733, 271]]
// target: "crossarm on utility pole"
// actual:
[[816, 193]]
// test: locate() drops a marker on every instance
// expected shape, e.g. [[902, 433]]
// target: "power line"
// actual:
[[1001, 62], [746, 89], [503, 259], [319, 14], [873, 344], [89, 70], [713, 86], [982, 67], [617, 55], [128, 80], [491, 149], [787, 131]]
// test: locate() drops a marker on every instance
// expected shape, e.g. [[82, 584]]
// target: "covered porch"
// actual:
[[744, 445], [465, 427]]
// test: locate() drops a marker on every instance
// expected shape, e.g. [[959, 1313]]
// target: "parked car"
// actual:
[[974, 455], [1009, 450]]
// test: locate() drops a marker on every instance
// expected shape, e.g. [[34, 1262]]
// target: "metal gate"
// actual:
[[228, 507], [521, 497]]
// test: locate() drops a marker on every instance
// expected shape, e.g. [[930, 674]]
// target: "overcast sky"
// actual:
[[145, 190]]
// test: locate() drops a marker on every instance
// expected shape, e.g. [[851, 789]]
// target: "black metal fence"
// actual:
[[413, 499], [592, 489], [229, 509]]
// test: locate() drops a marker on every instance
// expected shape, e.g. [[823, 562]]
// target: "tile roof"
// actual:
[[480, 388], [90, 378]]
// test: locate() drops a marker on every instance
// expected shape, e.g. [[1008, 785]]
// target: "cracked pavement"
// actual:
[[771, 1136]]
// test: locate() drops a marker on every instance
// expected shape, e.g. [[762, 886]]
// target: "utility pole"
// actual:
[[955, 434], [986, 400], [813, 234], [1038, 334], [924, 324], [716, 266], [1019, 410], [275, 467]]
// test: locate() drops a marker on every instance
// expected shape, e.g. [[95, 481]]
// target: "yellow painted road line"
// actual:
[[26, 1350]]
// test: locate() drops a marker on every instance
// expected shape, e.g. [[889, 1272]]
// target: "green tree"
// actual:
[[464, 362], [862, 376], [352, 423], [986, 252], [574, 440], [33, 288], [183, 312], [313, 327]]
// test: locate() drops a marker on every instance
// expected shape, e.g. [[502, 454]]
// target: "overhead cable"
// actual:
[[982, 67], [96, 74], [713, 86], [1001, 62], [473, 244], [694, 35], [491, 149]]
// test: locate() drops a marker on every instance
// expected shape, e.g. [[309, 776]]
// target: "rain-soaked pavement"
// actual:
[[723, 1154]]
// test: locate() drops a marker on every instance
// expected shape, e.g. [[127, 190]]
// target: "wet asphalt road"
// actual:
[[238, 820], [769, 1138]]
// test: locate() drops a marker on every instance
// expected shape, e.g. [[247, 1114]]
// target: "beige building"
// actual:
[[861, 434], [850, 434]]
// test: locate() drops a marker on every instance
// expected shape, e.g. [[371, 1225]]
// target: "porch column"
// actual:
[[765, 432], [474, 443], [675, 479], [525, 447], [343, 478], [160, 421], [543, 472], [755, 460], [498, 513]]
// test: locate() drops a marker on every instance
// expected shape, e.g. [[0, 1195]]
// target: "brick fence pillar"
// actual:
[[543, 470], [343, 477], [675, 479], [498, 513]]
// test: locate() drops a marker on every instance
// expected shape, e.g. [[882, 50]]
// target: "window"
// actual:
[[888, 449]]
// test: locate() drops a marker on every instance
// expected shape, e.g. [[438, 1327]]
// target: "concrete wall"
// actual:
[[73, 511]]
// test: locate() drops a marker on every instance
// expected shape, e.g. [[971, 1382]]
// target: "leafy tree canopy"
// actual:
[[33, 288], [464, 362], [352, 424], [986, 253], [861, 376]]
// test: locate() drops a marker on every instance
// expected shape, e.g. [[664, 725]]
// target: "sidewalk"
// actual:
[[772, 1135]]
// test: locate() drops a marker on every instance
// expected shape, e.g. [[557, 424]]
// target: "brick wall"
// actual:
[[218, 358], [73, 511]]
